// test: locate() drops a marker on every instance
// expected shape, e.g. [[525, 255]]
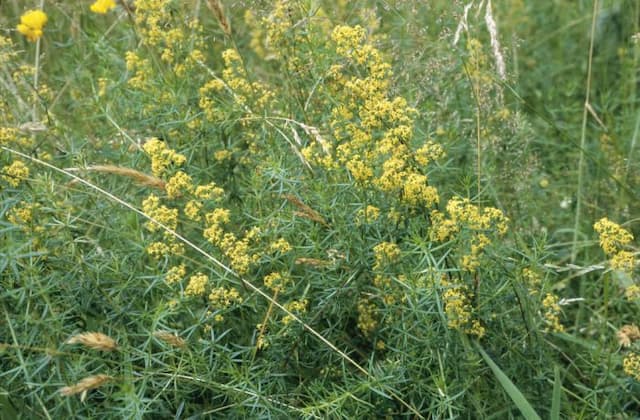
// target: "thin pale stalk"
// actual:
[[36, 65], [583, 138]]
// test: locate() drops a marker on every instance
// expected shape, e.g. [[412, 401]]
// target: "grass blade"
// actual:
[[557, 394], [514, 393]]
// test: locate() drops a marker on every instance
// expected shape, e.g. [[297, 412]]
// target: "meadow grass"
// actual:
[[313, 209]]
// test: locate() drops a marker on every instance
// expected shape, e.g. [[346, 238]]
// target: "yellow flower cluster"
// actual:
[[429, 152], [389, 291], [21, 214], [31, 24], [532, 280], [373, 130], [250, 96], [8, 135], [552, 313], [385, 253], [477, 63], [151, 18], [367, 320], [463, 212], [102, 6], [7, 52], [612, 236], [222, 155], [280, 245], [237, 250], [623, 260], [223, 298], [631, 365], [367, 215], [177, 48], [208, 192], [613, 239], [465, 215], [348, 39], [179, 184], [169, 217], [268, 33], [215, 220], [158, 250], [15, 173], [208, 94], [459, 311], [175, 274], [141, 69], [295, 306], [632, 293], [162, 157], [277, 281], [197, 285], [192, 210], [417, 192]]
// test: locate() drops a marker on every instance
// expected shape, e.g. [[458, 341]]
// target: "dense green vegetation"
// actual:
[[314, 209]]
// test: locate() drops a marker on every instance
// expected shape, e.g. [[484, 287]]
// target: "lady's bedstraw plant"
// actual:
[[291, 152], [185, 204], [614, 240], [197, 204]]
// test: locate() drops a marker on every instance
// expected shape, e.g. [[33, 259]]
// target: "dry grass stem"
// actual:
[[218, 11], [495, 42], [139, 177], [94, 340], [305, 211], [170, 338], [462, 24], [312, 262], [315, 133], [85, 385], [261, 340]]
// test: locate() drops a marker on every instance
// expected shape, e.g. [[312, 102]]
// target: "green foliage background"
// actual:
[[515, 144]]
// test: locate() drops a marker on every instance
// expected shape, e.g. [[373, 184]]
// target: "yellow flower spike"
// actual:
[[103, 6], [31, 24]]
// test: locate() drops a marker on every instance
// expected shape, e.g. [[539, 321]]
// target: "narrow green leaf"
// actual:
[[514, 393], [7, 411], [557, 394]]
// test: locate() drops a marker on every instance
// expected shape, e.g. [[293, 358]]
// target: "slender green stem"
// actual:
[[583, 138], [36, 65]]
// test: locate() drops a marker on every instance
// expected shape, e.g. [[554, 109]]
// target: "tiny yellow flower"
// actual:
[[103, 6], [31, 24]]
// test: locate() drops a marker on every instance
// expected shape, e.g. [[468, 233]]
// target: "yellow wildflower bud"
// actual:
[[31, 24], [102, 6]]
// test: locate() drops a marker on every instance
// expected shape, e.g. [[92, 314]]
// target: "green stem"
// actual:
[[583, 137]]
